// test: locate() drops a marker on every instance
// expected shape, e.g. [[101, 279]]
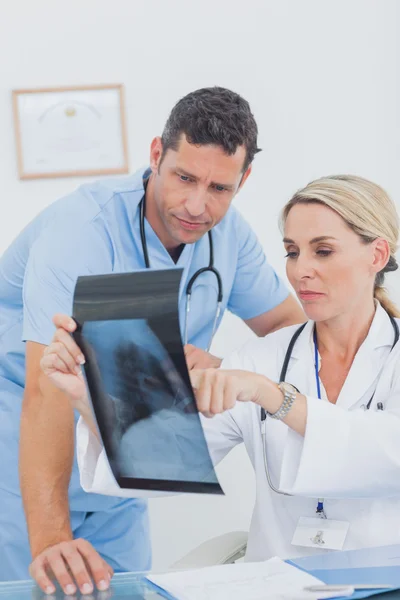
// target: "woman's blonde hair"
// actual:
[[367, 210]]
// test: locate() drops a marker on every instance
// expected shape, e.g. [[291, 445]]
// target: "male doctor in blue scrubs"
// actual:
[[196, 168]]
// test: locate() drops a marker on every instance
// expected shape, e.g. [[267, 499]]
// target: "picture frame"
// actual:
[[70, 131]]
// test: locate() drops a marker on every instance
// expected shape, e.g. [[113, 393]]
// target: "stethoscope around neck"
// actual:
[[282, 378], [209, 269]]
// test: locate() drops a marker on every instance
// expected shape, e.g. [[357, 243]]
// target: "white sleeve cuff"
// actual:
[[309, 466], [343, 454], [94, 469]]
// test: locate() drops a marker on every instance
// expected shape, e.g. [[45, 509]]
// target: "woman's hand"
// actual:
[[61, 363], [218, 390]]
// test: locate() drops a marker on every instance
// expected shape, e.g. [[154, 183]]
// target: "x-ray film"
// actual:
[[138, 382]]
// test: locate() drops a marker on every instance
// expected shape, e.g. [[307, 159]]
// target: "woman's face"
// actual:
[[330, 268]]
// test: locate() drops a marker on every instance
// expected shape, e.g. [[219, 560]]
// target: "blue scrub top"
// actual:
[[95, 230]]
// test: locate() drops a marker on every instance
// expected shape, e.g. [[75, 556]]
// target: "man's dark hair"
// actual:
[[213, 116]]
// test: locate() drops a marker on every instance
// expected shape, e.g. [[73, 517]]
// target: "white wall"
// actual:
[[322, 77]]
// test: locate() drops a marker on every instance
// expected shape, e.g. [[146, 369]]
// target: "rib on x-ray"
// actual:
[[138, 381]]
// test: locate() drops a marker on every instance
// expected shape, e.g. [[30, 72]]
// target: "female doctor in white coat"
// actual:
[[322, 428]]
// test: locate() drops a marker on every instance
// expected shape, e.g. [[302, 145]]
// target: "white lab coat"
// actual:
[[348, 456]]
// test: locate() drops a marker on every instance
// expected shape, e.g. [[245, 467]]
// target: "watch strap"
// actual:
[[289, 396]]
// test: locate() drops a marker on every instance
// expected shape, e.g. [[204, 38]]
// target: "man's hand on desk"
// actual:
[[200, 359], [73, 564]]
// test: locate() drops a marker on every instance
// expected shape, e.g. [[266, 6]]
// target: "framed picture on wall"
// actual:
[[70, 131]]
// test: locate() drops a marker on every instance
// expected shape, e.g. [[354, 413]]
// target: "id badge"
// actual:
[[326, 534]]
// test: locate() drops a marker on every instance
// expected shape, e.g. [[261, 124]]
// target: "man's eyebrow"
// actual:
[[227, 186]]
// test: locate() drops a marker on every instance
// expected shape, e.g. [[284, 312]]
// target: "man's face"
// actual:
[[194, 187]]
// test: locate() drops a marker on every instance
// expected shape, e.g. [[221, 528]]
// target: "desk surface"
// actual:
[[130, 586]]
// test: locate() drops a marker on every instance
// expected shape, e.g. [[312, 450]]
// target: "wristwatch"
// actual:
[[289, 396]]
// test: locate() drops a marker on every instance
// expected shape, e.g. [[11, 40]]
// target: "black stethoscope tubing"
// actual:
[[294, 339], [210, 268], [282, 378]]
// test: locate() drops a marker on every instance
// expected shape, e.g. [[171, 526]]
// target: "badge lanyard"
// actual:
[[320, 505]]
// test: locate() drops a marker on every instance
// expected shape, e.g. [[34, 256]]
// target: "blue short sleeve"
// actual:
[[256, 287], [55, 262]]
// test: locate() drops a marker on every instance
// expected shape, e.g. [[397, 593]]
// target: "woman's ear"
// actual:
[[381, 254]]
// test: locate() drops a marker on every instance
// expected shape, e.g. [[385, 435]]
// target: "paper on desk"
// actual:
[[273, 579]]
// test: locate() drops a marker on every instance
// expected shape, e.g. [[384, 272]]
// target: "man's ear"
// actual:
[[156, 152], [244, 177]]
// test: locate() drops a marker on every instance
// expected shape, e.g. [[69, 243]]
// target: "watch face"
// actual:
[[288, 387]]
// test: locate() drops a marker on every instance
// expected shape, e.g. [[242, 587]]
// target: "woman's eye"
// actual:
[[324, 252], [291, 255]]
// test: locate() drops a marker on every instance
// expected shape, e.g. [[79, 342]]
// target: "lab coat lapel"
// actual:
[[366, 367], [368, 362], [363, 373], [301, 370]]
